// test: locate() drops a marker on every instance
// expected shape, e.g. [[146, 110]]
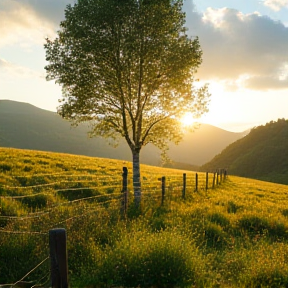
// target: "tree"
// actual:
[[127, 67]]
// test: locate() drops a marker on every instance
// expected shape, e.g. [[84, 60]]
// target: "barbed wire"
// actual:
[[62, 174], [39, 214], [172, 186], [23, 232], [62, 190], [173, 177], [150, 193], [47, 276], [55, 183], [26, 275], [99, 176], [82, 215], [92, 210]]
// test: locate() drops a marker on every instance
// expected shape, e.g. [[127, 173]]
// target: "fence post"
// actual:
[[207, 181], [163, 182], [58, 258], [184, 186], [196, 186], [125, 190], [214, 176]]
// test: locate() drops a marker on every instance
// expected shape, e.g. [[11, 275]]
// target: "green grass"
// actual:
[[232, 236]]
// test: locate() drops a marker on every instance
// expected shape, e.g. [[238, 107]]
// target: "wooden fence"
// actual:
[[219, 176], [57, 237]]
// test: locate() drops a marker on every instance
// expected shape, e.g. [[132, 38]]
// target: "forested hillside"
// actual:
[[262, 154]]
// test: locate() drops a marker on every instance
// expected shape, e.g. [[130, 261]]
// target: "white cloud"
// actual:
[[236, 45], [50, 10], [239, 49], [3, 63], [27, 85], [9, 71], [266, 83], [276, 5], [21, 24]]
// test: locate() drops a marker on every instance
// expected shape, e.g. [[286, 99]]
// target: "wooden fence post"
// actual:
[[184, 186], [196, 185], [58, 258], [207, 181], [163, 182], [214, 176], [125, 190]]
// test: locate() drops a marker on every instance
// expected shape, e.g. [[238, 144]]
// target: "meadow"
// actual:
[[235, 235]]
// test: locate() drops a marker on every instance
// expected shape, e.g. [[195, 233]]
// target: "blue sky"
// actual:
[[245, 56]]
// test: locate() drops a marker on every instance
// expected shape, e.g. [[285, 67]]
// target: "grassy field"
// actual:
[[235, 235]]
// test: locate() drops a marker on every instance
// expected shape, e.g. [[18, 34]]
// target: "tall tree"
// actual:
[[127, 67]]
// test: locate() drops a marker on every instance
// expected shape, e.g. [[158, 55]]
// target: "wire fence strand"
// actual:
[[26, 275], [67, 211]]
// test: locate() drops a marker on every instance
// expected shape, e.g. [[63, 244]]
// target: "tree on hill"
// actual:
[[127, 67]]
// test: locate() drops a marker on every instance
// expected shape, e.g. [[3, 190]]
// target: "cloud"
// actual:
[[276, 5], [3, 63], [50, 10], [236, 44], [10, 70], [266, 83], [29, 21]]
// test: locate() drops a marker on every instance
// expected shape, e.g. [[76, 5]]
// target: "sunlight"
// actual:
[[187, 119]]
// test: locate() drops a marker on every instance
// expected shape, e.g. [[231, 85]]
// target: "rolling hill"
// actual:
[[262, 154], [233, 235], [25, 126]]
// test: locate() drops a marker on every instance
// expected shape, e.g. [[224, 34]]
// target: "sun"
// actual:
[[187, 119]]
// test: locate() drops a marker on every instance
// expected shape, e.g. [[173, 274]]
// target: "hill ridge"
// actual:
[[23, 125], [262, 154]]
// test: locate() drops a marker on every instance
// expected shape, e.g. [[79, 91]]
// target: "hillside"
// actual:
[[28, 127], [233, 235], [262, 154]]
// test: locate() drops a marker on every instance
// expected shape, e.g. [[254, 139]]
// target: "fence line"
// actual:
[[64, 174], [23, 232], [58, 263], [186, 184], [60, 190], [26, 275], [66, 188], [53, 183], [170, 185], [39, 214], [170, 177]]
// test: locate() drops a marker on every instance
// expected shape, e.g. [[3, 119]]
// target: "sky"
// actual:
[[245, 56]]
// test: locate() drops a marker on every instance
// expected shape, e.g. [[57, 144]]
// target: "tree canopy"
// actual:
[[127, 67]]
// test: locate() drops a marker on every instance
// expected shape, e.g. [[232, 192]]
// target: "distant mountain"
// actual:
[[262, 154], [25, 126]]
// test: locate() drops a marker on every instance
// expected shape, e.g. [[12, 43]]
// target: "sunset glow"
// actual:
[[247, 76], [187, 119]]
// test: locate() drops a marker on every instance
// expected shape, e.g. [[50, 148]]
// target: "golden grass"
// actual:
[[240, 228]]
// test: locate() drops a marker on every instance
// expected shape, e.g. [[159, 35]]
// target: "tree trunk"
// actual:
[[136, 177]]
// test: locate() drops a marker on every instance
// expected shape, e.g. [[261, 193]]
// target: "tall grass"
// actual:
[[232, 236]]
